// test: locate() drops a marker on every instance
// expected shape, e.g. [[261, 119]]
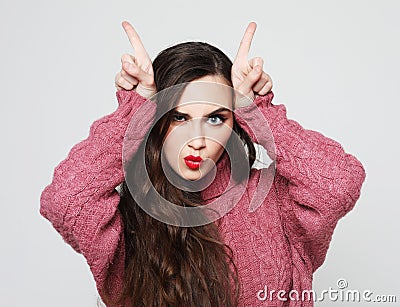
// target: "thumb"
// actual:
[[246, 88], [146, 86], [139, 74]]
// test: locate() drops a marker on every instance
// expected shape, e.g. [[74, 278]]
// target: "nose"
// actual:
[[196, 135]]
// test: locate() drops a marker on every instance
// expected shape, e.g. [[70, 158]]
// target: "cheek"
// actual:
[[222, 134], [169, 149], [216, 148], [173, 144], [224, 137]]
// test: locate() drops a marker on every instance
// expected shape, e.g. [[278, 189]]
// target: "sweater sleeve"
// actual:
[[81, 201], [322, 182]]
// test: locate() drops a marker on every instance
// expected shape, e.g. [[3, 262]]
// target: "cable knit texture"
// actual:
[[276, 247]]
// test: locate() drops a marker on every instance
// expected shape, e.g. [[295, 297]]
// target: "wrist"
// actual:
[[242, 100], [144, 91]]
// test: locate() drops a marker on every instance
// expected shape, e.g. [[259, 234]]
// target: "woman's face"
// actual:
[[200, 128]]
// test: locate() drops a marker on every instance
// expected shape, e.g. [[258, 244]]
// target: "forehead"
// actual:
[[205, 95]]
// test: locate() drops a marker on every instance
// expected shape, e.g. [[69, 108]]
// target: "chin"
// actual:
[[191, 175]]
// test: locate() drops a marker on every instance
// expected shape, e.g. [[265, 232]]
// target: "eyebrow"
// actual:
[[212, 113]]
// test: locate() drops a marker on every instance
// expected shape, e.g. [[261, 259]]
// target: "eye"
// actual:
[[216, 119], [178, 118]]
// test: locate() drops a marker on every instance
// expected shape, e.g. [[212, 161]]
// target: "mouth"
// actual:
[[193, 162]]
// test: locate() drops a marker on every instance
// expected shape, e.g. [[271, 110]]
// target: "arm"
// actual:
[[81, 202], [323, 181]]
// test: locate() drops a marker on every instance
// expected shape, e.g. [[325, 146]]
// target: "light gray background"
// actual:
[[335, 65]]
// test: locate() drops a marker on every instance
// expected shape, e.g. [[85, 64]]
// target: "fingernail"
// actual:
[[258, 68]]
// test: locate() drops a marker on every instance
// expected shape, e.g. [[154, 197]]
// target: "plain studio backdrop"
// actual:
[[335, 66]]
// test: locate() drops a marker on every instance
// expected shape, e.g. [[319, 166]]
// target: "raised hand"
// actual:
[[248, 76], [137, 71]]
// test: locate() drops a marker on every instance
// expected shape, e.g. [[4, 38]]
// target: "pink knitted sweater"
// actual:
[[277, 247]]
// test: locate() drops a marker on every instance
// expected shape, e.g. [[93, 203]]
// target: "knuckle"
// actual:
[[258, 61], [126, 85], [132, 71], [120, 81], [117, 76], [126, 57], [135, 72], [254, 77]]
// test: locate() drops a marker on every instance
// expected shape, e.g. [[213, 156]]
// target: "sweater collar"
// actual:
[[221, 180]]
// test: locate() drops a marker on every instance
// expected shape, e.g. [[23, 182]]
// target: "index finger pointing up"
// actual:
[[245, 44], [134, 39]]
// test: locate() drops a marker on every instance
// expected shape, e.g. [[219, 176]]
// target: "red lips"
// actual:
[[193, 162]]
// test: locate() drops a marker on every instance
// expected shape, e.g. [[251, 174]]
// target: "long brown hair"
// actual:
[[167, 265]]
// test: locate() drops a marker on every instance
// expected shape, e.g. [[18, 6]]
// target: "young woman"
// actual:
[[176, 149]]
